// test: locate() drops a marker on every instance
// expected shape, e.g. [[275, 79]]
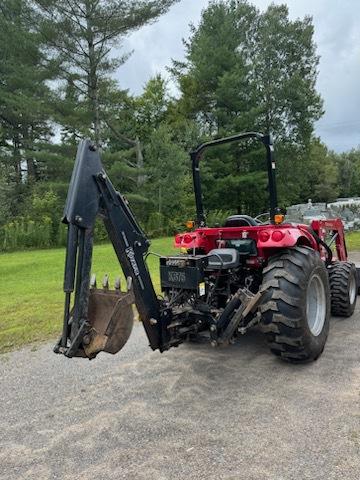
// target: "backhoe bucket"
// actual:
[[111, 318]]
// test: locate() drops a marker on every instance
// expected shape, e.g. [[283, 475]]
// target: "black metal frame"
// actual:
[[196, 155], [91, 193]]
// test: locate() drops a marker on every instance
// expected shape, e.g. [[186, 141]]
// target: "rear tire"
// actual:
[[343, 288], [296, 306]]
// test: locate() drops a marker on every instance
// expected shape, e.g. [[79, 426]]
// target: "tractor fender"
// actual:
[[284, 237]]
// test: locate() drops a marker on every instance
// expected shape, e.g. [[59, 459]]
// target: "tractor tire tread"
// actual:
[[284, 287], [339, 275]]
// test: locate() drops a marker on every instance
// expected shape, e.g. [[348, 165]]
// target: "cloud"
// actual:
[[155, 45], [337, 34]]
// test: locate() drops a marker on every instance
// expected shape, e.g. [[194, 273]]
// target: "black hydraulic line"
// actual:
[[323, 244], [196, 155]]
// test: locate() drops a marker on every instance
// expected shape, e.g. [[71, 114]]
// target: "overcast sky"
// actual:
[[337, 35]]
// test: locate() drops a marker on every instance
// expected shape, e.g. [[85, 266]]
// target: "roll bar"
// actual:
[[196, 155]]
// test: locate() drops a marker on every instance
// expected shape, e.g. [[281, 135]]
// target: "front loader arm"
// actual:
[[91, 193]]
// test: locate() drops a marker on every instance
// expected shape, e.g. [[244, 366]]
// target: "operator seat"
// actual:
[[240, 221]]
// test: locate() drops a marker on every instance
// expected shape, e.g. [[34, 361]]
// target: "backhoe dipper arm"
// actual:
[[92, 193]]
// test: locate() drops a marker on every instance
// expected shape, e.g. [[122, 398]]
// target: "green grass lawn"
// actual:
[[31, 297], [353, 241]]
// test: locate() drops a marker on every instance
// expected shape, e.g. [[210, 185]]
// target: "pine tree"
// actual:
[[24, 99], [250, 70], [82, 34]]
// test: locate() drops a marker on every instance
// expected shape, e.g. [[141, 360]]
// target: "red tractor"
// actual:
[[284, 278]]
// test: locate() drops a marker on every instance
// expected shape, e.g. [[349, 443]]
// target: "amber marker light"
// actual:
[[279, 218]]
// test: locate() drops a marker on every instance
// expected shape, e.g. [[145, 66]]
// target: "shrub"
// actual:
[[24, 232], [156, 225], [215, 217]]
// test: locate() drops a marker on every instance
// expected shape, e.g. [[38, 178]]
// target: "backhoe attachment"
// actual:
[[96, 319]]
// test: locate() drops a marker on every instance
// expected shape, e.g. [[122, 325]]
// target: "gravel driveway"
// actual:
[[192, 413]]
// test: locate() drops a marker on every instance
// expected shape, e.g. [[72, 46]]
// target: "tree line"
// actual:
[[243, 69]]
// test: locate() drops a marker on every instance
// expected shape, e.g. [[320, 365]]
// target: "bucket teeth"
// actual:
[[128, 283], [106, 282], [93, 281], [117, 284]]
